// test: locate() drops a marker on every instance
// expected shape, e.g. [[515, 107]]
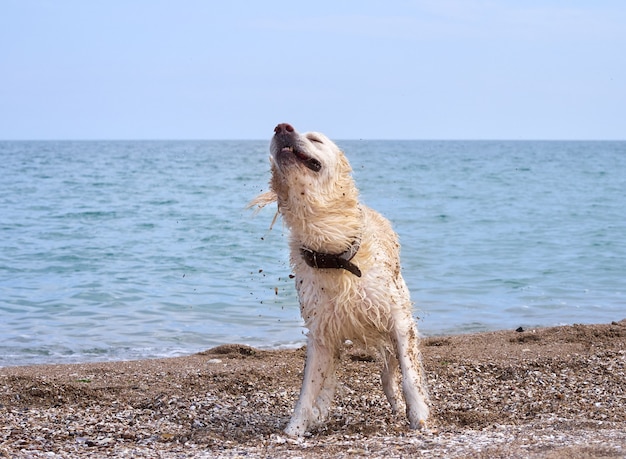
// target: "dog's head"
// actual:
[[313, 185], [308, 162], [309, 174]]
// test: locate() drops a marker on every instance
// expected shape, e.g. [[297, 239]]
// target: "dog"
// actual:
[[346, 261]]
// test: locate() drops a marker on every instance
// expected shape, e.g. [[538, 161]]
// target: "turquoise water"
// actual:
[[121, 250]]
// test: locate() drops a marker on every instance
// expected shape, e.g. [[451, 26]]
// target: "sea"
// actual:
[[119, 250]]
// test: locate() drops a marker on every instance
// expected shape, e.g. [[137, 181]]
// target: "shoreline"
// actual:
[[549, 392]]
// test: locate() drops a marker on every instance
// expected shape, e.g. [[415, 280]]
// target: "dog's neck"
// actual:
[[329, 232], [326, 255], [329, 235], [328, 222]]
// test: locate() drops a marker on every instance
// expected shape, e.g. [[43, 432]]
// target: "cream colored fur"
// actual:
[[322, 211]]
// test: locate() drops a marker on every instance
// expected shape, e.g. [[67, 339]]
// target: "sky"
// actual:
[[353, 69]]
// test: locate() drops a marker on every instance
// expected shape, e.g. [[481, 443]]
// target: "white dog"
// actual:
[[345, 257]]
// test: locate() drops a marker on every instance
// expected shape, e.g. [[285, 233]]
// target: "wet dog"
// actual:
[[346, 260]]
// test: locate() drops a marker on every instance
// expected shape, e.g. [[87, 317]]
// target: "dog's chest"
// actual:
[[340, 306]]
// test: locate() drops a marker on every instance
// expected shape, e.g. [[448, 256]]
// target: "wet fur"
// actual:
[[322, 211]]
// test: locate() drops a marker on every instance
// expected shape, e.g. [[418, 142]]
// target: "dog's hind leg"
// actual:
[[413, 378], [317, 391], [390, 377]]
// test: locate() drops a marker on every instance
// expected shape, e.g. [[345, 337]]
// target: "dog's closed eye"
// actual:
[[312, 138]]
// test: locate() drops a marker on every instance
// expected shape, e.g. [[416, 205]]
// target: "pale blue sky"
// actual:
[[231, 69]]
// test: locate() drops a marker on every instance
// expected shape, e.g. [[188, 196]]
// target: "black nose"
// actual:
[[283, 128]]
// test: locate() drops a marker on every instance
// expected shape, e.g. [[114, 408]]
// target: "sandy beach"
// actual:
[[552, 392]]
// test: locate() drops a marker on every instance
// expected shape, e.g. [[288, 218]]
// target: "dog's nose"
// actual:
[[283, 128]]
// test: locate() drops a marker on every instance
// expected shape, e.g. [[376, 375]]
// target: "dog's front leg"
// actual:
[[317, 389]]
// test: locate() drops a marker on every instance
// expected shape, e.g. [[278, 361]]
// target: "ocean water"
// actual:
[[137, 249]]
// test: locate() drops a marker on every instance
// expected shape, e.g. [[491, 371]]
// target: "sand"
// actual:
[[553, 392]]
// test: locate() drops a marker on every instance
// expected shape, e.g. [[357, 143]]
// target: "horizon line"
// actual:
[[383, 139]]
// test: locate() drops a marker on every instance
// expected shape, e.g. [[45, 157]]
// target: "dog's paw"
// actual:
[[421, 425], [417, 413], [398, 407], [424, 429], [278, 440], [296, 428]]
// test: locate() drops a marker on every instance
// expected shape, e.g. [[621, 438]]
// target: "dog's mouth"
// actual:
[[305, 159]]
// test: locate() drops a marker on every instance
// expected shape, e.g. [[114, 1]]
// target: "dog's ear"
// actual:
[[343, 163], [262, 200]]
